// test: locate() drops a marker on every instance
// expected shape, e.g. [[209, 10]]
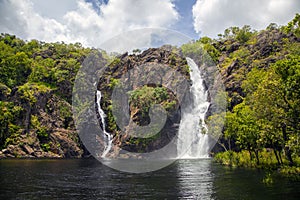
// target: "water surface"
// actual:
[[89, 179]]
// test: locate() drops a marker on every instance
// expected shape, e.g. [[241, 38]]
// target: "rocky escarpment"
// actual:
[[148, 78], [260, 51], [44, 126], [36, 81]]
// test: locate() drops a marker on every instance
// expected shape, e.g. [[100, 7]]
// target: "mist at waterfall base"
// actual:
[[192, 141]]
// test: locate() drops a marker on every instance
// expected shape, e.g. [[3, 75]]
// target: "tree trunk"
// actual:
[[278, 161], [257, 157], [287, 150], [250, 154], [279, 154], [222, 145]]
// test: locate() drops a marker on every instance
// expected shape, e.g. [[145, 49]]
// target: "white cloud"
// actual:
[[119, 16], [80, 22], [212, 17], [19, 17]]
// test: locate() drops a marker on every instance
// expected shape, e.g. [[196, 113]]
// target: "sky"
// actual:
[[94, 22]]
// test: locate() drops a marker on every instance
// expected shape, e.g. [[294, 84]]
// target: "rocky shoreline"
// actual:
[[30, 147]]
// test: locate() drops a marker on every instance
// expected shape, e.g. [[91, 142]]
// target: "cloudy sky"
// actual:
[[92, 22]]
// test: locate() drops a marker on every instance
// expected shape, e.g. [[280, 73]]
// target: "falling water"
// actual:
[[192, 141], [107, 135]]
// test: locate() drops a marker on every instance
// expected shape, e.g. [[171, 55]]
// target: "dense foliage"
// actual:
[[269, 113], [30, 71]]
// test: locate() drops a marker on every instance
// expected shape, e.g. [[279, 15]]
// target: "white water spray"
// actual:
[[192, 140], [107, 135]]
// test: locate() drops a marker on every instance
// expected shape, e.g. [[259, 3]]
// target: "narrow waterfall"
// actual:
[[192, 142], [107, 135]]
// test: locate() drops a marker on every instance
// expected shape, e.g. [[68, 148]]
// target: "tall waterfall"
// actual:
[[107, 135], [192, 142]]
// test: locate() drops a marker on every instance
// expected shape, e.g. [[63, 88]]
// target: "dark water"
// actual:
[[89, 179]]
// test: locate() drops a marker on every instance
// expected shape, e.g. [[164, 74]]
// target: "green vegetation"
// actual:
[[268, 162], [29, 90], [31, 74], [41, 131], [113, 83], [46, 146], [146, 96], [262, 127], [242, 35], [269, 116], [9, 116], [203, 49]]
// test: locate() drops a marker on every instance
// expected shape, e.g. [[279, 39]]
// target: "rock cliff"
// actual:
[[148, 78]]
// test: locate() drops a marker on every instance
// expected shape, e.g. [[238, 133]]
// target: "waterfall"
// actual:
[[107, 135], [192, 142]]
